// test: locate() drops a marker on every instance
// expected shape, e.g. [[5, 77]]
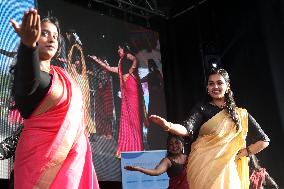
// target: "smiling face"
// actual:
[[175, 146], [48, 41], [217, 86]]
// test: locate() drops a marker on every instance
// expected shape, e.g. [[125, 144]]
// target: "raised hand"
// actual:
[[30, 29], [159, 121], [94, 58]]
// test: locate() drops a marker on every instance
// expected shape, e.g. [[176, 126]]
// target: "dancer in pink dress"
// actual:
[[131, 113]]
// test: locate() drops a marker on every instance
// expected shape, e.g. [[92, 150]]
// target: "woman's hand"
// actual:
[[30, 29], [130, 168], [160, 121], [242, 153], [94, 58]]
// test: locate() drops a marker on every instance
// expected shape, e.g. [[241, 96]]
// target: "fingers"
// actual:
[[24, 20], [37, 26], [35, 19], [154, 116], [15, 25], [128, 168], [31, 20]]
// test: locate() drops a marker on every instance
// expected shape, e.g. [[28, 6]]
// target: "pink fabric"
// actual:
[[53, 150], [130, 130], [257, 178]]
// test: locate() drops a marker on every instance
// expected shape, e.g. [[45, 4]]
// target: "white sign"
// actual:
[[138, 180]]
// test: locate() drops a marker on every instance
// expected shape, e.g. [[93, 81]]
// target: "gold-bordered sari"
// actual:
[[211, 163]]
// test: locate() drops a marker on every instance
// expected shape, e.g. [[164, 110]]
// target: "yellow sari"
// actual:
[[211, 163]]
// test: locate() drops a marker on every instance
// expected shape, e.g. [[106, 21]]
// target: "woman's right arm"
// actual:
[[105, 66], [169, 126], [27, 69], [28, 79], [161, 168], [190, 127]]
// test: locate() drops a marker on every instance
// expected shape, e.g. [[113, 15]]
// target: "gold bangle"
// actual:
[[249, 153], [169, 128]]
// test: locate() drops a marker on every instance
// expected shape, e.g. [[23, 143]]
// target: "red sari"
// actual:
[[53, 150], [130, 130]]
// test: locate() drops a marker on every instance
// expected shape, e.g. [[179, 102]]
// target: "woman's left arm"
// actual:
[[256, 138]]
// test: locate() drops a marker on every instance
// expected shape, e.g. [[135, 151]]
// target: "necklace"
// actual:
[[219, 106]]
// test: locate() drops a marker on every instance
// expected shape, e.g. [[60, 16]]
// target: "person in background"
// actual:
[[132, 113], [259, 177], [219, 130], [157, 105], [174, 164], [53, 150]]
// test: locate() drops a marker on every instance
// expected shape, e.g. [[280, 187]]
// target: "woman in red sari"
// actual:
[[174, 164], [53, 150], [130, 130]]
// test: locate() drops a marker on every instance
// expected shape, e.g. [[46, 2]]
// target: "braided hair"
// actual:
[[230, 105]]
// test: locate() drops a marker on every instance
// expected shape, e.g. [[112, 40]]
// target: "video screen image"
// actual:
[[119, 93]]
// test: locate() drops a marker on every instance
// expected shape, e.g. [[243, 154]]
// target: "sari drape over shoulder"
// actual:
[[53, 150], [211, 163]]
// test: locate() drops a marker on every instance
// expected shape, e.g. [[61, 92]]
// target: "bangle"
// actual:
[[248, 152], [169, 128]]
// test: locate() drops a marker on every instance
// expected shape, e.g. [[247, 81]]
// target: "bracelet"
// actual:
[[248, 152], [169, 128]]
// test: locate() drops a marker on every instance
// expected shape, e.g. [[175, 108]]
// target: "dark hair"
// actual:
[[230, 104], [179, 138], [55, 21], [126, 47]]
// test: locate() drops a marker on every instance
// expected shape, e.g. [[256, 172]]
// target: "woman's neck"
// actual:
[[219, 102], [175, 156], [45, 66]]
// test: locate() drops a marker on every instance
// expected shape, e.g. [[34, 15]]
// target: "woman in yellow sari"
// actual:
[[219, 152]]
